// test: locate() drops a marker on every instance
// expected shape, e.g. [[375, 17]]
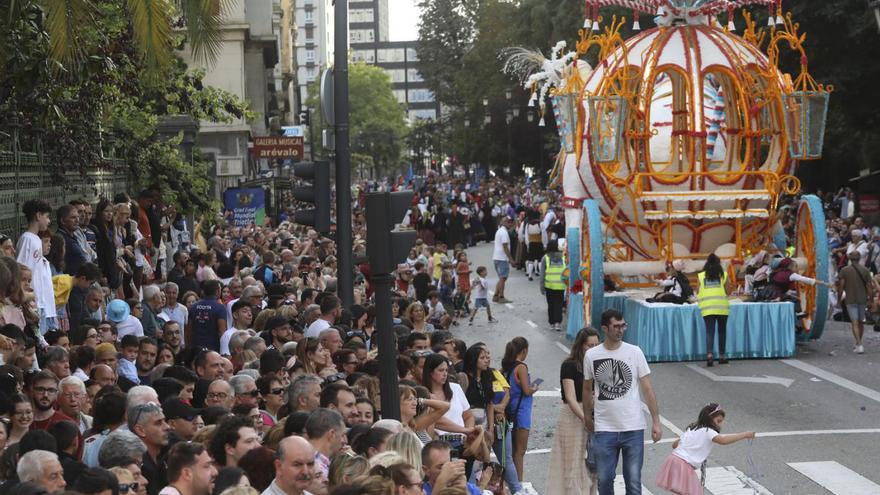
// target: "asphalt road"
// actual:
[[817, 415]]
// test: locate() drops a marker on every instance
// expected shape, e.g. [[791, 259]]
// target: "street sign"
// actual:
[[278, 147]]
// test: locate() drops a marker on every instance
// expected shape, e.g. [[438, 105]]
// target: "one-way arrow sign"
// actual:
[[785, 382]]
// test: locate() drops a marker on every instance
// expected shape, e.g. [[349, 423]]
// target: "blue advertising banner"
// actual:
[[246, 205]]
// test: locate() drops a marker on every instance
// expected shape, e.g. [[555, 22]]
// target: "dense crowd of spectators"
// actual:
[[141, 355]]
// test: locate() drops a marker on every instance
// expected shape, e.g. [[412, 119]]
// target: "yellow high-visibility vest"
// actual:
[[553, 274], [712, 299]]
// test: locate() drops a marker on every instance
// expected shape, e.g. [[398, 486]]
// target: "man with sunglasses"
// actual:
[[246, 392], [181, 418]]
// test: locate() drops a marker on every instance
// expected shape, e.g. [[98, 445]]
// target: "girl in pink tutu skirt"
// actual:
[[677, 474]]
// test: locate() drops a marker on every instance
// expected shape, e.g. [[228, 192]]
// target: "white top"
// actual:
[[502, 237], [481, 289], [317, 327], [224, 341], [438, 308], [30, 254], [616, 392], [545, 224], [457, 406], [862, 248], [695, 445], [130, 325]]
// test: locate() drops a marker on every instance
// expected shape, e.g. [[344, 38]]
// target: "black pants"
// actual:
[[555, 303], [711, 320]]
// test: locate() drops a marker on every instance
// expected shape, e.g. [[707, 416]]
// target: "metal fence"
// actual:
[[23, 177]]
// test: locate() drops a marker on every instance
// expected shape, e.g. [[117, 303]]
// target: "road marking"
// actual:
[[730, 481], [548, 393], [563, 347], [765, 434], [836, 478], [665, 422], [509, 306], [620, 486], [835, 379], [531, 324], [785, 382]]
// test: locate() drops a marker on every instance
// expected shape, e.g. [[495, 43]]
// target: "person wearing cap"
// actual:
[[119, 313], [181, 417], [277, 332]]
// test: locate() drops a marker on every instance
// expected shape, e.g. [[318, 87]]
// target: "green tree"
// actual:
[[377, 121], [110, 92], [71, 28], [446, 34]]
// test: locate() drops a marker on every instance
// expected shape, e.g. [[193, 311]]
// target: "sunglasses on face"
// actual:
[[252, 393], [276, 391], [334, 378], [126, 487]]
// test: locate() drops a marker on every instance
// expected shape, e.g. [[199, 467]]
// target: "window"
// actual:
[[361, 36], [310, 55], [360, 15], [310, 16], [412, 55], [366, 56], [400, 95], [422, 114], [420, 95], [311, 73], [390, 55], [412, 75], [310, 33], [397, 75]]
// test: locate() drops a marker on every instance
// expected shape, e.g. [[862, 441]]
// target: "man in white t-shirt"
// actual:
[[622, 378], [331, 308], [501, 257], [858, 245], [546, 223], [38, 213]]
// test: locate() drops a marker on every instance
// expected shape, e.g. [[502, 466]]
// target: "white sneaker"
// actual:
[[528, 488], [860, 349]]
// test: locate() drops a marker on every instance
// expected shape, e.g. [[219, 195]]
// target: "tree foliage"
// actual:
[[377, 122], [109, 92]]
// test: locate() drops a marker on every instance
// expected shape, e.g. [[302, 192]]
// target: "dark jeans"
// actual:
[[555, 303], [711, 321], [609, 445]]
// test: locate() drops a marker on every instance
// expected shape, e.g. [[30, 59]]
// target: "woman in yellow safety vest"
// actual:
[[552, 283], [714, 306]]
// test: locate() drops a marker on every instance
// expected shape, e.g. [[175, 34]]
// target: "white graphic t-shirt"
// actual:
[[617, 400]]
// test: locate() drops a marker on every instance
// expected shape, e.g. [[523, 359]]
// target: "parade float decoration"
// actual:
[[681, 141]]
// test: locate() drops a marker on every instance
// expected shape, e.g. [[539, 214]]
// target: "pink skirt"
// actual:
[[679, 477]]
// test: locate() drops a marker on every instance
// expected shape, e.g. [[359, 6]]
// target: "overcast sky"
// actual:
[[403, 20]]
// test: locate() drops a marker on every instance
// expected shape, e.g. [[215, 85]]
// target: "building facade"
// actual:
[[313, 44], [249, 67]]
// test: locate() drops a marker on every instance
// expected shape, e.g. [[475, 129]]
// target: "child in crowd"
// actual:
[[677, 473], [128, 358], [481, 295], [463, 285], [437, 314]]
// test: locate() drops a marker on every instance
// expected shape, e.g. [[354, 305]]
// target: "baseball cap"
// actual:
[[175, 408], [118, 310]]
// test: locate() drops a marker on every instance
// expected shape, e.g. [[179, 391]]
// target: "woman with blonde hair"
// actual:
[[262, 317], [313, 356], [415, 313], [346, 468], [127, 484], [408, 446]]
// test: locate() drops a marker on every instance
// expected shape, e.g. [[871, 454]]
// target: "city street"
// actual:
[[817, 415]]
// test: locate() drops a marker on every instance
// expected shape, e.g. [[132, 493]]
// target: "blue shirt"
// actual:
[[472, 489], [205, 315]]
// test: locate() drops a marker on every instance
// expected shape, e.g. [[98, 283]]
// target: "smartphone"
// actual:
[[537, 382]]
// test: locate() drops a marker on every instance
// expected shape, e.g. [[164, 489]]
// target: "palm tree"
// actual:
[[152, 24]]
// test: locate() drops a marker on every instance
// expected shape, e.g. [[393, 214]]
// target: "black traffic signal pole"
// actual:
[[379, 252], [345, 269]]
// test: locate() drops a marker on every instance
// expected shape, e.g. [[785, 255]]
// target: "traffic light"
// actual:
[[318, 193], [304, 117], [387, 245]]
